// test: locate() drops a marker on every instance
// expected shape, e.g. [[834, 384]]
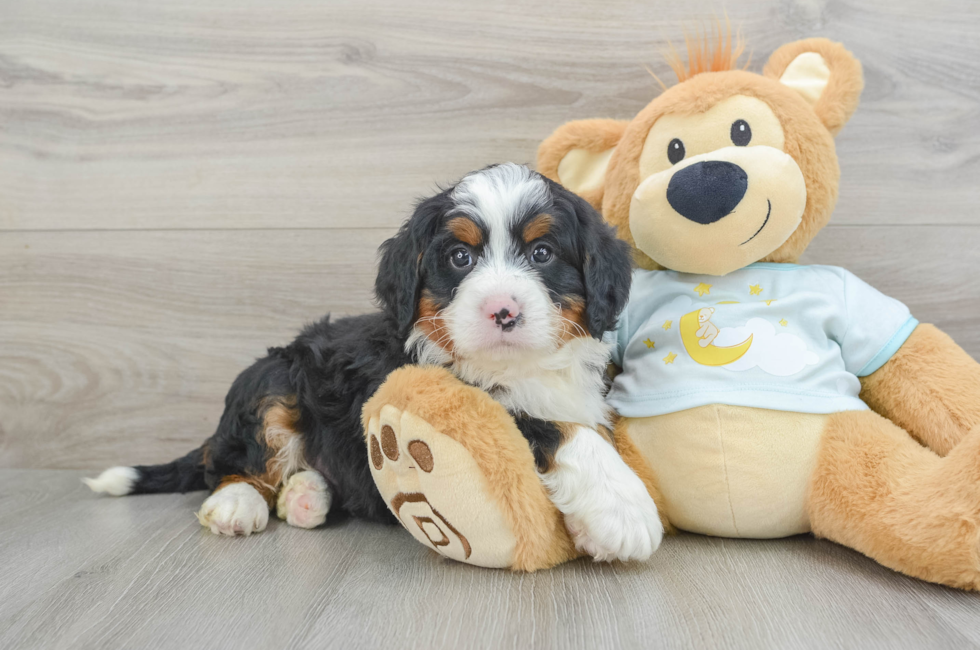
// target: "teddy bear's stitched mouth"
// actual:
[[768, 213]]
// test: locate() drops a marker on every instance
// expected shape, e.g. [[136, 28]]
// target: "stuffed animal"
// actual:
[[746, 379], [458, 474], [769, 398]]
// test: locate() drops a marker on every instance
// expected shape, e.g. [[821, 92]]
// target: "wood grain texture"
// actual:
[[118, 347], [232, 114], [140, 572], [183, 184]]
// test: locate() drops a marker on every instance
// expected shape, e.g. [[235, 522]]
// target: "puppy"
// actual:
[[508, 280]]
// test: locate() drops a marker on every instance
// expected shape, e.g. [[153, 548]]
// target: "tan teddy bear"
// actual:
[[720, 183]]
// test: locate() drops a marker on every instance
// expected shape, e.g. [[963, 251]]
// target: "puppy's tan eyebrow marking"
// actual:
[[539, 226], [466, 231]]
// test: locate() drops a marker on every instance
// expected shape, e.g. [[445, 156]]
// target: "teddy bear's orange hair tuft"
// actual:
[[707, 52]]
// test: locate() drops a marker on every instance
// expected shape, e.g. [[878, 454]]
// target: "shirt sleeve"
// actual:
[[619, 337], [877, 326]]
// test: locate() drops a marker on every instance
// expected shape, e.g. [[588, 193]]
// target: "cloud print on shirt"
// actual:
[[781, 354], [777, 354]]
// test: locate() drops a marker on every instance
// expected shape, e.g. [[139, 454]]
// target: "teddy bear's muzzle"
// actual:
[[707, 191], [719, 211]]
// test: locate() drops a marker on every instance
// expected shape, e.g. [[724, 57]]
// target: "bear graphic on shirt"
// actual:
[[708, 331]]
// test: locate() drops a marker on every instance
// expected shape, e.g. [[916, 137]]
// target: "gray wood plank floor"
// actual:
[[82, 571], [185, 183]]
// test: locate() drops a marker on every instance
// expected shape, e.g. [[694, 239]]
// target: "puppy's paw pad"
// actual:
[[305, 500], [235, 509]]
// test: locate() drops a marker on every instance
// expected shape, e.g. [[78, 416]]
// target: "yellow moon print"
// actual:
[[710, 355]]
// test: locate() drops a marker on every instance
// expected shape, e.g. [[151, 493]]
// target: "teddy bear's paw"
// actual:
[[608, 511], [305, 500], [235, 509], [436, 490]]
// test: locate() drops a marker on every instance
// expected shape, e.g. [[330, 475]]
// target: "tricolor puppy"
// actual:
[[508, 280]]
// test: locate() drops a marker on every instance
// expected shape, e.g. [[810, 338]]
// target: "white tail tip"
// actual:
[[117, 481]]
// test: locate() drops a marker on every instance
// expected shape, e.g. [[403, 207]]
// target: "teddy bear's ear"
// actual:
[[577, 155], [824, 73]]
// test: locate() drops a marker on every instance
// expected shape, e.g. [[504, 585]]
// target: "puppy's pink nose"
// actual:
[[502, 310]]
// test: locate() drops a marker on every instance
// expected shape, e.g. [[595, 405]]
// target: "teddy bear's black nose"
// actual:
[[707, 191]]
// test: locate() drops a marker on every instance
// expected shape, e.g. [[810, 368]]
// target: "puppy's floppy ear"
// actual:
[[607, 267], [577, 155], [399, 278], [824, 73]]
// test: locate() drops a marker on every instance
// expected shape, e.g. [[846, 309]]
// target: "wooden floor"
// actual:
[[96, 572], [185, 183]]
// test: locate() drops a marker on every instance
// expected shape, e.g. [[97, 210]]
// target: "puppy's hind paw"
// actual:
[[305, 500], [235, 509]]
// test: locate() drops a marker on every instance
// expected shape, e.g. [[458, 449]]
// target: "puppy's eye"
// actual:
[[675, 151], [741, 133], [542, 254], [461, 258]]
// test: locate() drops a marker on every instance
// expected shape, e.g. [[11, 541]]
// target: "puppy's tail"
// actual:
[[182, 475]]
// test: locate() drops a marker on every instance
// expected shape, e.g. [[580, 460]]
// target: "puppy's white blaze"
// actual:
[[498, 196], [473, 334], [607, 508], [117, 481]]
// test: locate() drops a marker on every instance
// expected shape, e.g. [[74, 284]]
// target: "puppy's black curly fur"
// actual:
[[326, 375]]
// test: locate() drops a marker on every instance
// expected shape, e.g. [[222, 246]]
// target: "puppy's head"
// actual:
[[503, 264]]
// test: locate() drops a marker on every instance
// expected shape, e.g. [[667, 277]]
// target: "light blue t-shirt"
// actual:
[[774, 336]]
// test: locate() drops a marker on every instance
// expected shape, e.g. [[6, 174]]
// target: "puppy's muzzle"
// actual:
[[505, 312]]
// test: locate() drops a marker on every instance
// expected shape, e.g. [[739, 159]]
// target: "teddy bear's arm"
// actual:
[[930, 388]]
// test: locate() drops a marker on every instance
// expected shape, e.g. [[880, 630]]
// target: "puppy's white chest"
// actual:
[[565, 386], [555, 398]]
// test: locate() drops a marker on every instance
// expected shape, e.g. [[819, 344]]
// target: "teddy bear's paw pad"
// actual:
[[305, 500], [235, 509], [437, 491]]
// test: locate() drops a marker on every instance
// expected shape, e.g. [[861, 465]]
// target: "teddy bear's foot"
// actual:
[[432, 485], [305, 500], [877, 490], [459, 476]]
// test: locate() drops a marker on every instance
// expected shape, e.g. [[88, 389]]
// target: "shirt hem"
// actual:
[[809, 404]]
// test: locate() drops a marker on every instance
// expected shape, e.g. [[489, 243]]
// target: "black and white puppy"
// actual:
[[508, 280]]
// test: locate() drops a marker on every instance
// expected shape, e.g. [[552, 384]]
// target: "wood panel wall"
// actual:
[[183, 184]]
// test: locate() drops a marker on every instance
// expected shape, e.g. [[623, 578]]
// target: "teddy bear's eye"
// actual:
[[675, 151], [741, 133]]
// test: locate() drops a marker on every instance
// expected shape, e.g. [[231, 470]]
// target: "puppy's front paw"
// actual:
[[305, 500], [235, 509], [622, 531], [608, 511]]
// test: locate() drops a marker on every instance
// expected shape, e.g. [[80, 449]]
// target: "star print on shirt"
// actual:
[[650, 344], [769, 302], [669, 359], [667, 324], [784, 322], [702, 289], [755, 289]]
